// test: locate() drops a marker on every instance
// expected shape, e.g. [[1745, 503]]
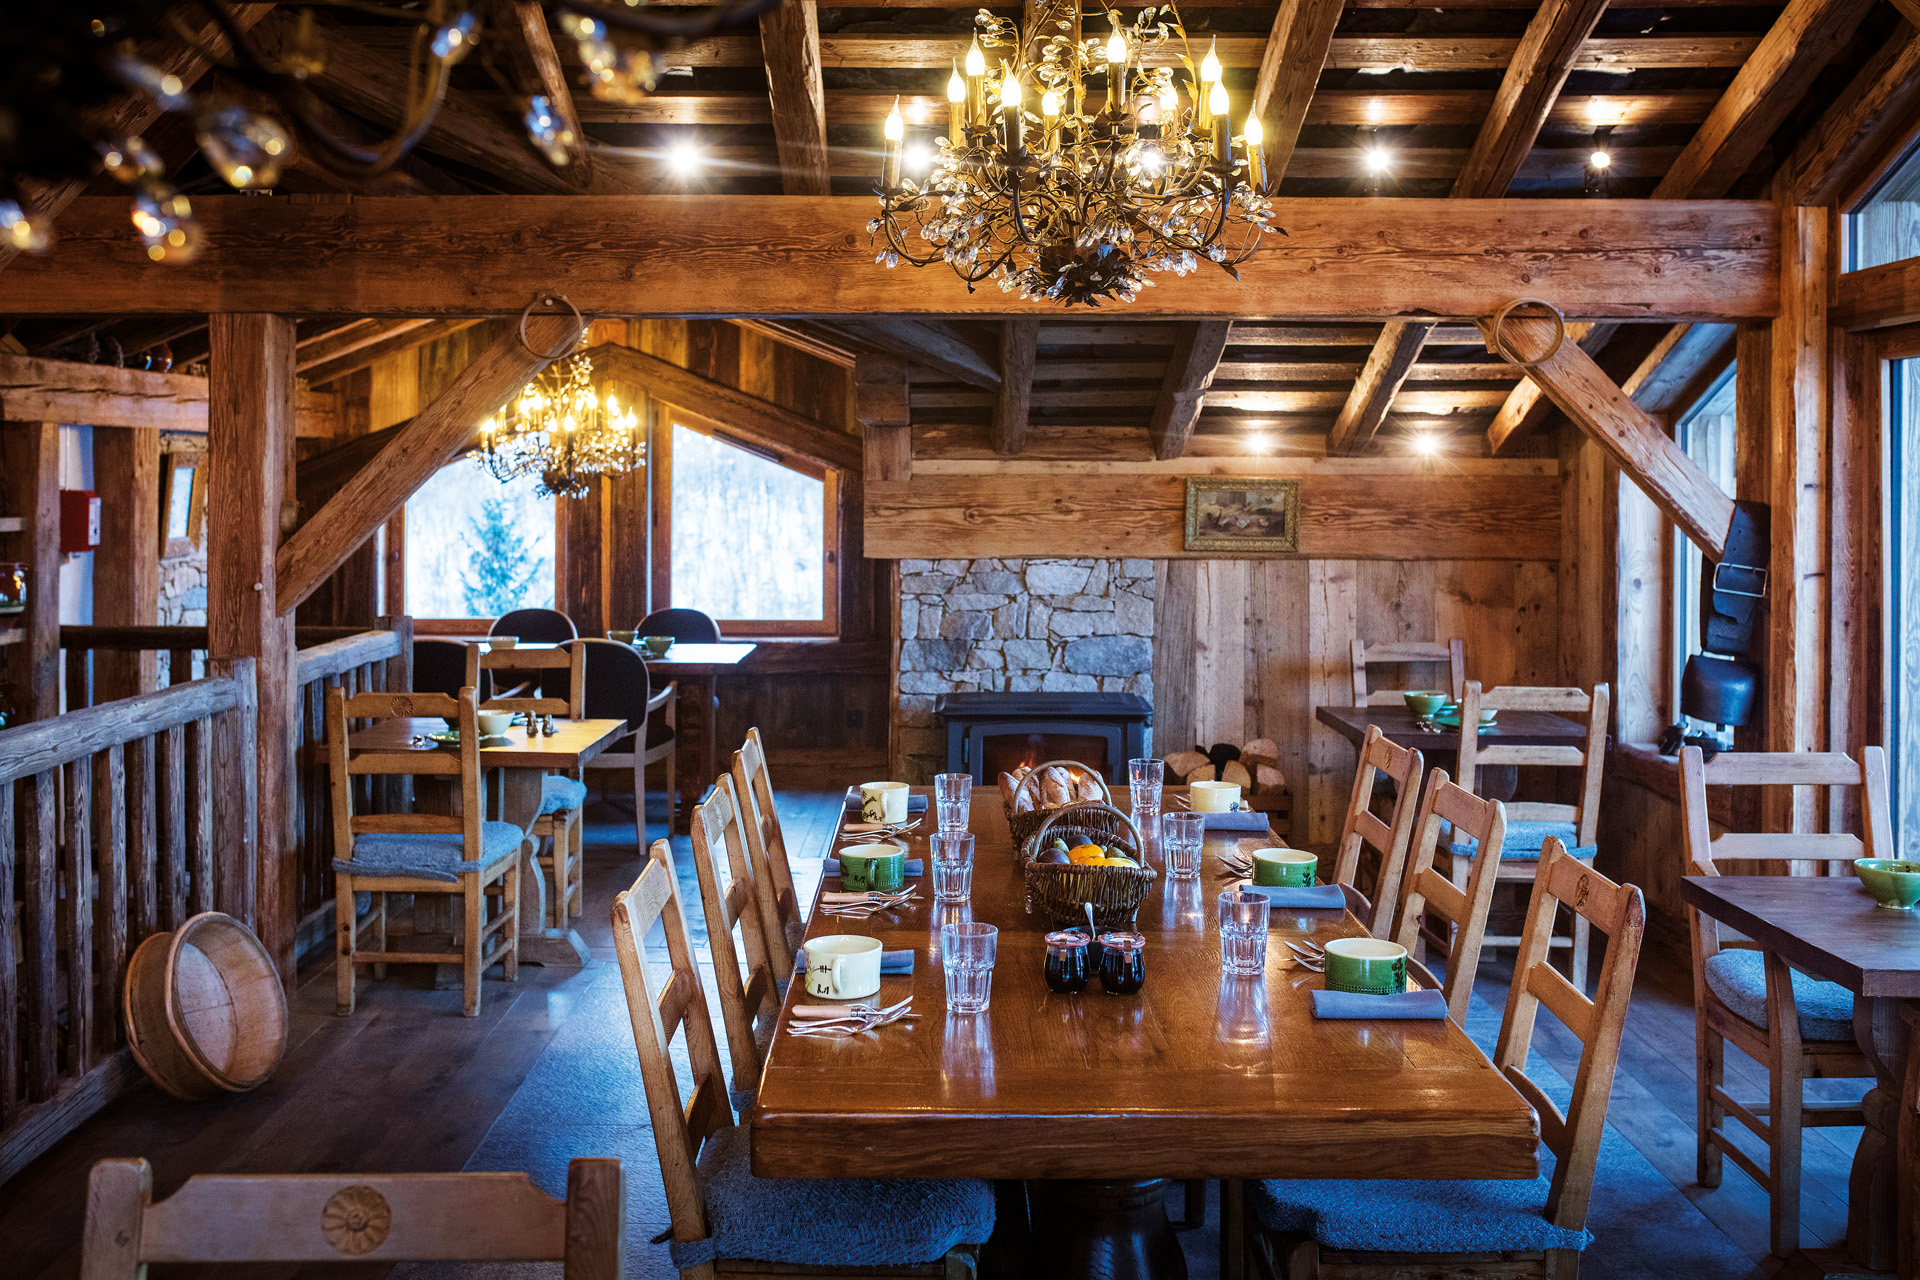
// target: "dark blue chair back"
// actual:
[[535, 626], [439, 666], [688, 625], [617, 683]]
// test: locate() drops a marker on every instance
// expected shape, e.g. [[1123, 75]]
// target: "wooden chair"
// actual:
[[751, 1234], [420, 853], [1389, 839], [352, 1217], [1452, 652], [618, 687], [730, 896], [1314, 1228], [562, 799], [1796, 1025], [689, 626], [767, 847], [1529, 823], [535, 626], [1428, 898]]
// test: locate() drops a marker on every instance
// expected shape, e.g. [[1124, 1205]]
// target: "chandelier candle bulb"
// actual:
[[957, 109], [1011, 119], [976, 86], [1116, 73], [1203, 109], [1218, 107], [896, 131], [1256, 163], [1049, 121]]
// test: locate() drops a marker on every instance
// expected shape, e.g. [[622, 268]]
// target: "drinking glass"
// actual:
[[1145, 777], [952, 866], [1182, 834], [967, 952], [1243, 932], [952, 794]]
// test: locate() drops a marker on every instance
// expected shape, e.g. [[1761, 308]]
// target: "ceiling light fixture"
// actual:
[[686, 159], [1426, 444]]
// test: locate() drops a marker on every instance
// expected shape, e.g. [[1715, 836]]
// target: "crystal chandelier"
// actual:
[[1070, 198], [563, 432]]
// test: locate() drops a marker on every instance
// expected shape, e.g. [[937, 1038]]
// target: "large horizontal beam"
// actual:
[[805, 255], [98, 395], [1878, 297]]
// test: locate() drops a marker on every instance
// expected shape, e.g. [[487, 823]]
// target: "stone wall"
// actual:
[[1016, 626]]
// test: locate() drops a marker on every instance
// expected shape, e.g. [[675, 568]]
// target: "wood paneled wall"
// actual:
[[1248, 648]]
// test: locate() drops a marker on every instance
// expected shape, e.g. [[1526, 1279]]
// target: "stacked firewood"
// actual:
[[1254, 765]]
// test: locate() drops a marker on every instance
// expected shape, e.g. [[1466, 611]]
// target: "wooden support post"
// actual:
[[250, 441], [236, 816], [126, 568], [1019, 338], [30, 481], [790, 43], [1197, 349], [880, 406]]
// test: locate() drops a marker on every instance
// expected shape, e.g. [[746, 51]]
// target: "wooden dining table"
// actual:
[[1096, 1100], [1829, 927], [1510, 729], [696, 667]]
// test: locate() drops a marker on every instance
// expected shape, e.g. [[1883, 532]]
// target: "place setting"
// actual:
[[848, 967]]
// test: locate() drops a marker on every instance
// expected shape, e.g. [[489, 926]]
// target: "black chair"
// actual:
[[535, 626], [439, 666], [688, 625], [618, 687]]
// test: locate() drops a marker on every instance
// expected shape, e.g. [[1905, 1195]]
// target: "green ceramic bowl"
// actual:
[[622, 637], [1424, 703], [1892, 883], [657, 646]]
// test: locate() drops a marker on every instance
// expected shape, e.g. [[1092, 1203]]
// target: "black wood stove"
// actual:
[[990, 733]]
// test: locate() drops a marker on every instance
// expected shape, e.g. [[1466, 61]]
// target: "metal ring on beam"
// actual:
[[1559, 331], [551, 300]]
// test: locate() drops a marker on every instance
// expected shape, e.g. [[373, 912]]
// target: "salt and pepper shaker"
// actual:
[[546, 725]]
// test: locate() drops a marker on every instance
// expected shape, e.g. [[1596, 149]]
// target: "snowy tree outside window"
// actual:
[[476, 548], [749, 535]]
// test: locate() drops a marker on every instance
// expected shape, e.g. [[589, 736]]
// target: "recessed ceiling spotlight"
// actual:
[[1600, 159], [1426, 444], [1377, 159], [686, 158], [1258, 442]]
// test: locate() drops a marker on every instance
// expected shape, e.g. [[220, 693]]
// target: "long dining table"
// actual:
[[1097, 1100]]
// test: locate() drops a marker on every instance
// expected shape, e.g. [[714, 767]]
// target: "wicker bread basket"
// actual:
[[1024, 824], [1062, 892]]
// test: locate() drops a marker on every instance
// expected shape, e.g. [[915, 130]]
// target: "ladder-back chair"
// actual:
[[353, 1217], [762, 1226], [1499, 1226], [1795, 1025], [1530, 822], [562, 799], [619, 687], [767, 846], [749, 1000], [1389, 839], [1461, 913], [1450, 653], [420, 853]]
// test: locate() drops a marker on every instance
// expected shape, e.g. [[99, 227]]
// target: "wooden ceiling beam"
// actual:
[[1532, 82], [398, 340], [1689, 364], [411, 175], [1196, 357], [319, 351], [790, 46], [803, 340], [932, 344], [1379, 382], [1013, 401], [1865, 132], [99, 395], [1290, 67], [1803, 40], [536, 66]]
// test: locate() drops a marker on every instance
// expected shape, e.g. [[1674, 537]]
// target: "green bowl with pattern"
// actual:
[[1892, 882]]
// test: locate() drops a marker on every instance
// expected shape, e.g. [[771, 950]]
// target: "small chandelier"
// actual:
[[1074, 201], [561, 431]]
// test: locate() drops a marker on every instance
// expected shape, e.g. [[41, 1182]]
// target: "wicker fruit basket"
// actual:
[[1062, 892], [1024, 822]]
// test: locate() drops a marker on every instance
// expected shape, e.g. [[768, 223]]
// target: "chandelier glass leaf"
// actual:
[[561, 430]]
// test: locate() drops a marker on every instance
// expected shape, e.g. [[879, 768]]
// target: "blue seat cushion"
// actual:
[[1498, 1215], [848, 1222], [428, 855], [1523, 841], [558, 792], [1739, 978]]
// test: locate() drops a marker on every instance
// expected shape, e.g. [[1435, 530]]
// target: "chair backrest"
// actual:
[[657, 1010], [1388, 840], [1620, 913], [689, 625], [462, 762], [1589, 757], [730, 895], [767, 847], [352, 1217], [615, 680], [1426, 894], [1451, 652], [1705, 853], [439, 666], [536, 626], [563, 699]]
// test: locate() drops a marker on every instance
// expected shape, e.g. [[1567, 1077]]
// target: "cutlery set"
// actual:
[[1308, 955], [859, 906], [876, 832], [846, 1019]]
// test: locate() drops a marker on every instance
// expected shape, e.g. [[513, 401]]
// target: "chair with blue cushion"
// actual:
[[1792, 1023], [381, 853], [535, 626], [562, 799], [1389, 840], [729, 894], [725, 1220], [1507, 1227], [1529, 822], [1435, 910]]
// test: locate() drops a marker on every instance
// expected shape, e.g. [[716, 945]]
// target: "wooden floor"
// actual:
[[546, 1072]]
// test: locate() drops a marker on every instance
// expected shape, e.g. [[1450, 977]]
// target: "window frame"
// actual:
[[1880, 411], [1685, 595]]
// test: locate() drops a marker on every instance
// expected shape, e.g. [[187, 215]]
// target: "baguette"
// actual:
[[1056, 788], [1088, 788]]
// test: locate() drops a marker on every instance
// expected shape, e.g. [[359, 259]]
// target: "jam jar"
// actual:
[[1123, 963], [1069, 963]]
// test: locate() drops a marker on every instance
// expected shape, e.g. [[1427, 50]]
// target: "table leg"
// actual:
[[1874, 1220], [709, 735], [1907, 1243], [1103, 1230], [519, 804]]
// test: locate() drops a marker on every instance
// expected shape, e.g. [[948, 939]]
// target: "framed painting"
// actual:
[[183, 502], [1243, 517]]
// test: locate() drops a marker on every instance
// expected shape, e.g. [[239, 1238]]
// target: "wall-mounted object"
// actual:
[[13, 586], [183, 502], [79, 520], [1243, 517]]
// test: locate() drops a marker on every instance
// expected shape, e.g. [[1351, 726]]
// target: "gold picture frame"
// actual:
[[1243, 516]]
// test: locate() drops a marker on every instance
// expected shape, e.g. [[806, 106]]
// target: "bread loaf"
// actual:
[[1056, 788], [1087, 787]]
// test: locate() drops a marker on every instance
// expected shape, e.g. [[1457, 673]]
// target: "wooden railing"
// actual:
[[110, 826], [184, 646]]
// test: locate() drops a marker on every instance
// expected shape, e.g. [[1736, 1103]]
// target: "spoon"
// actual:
[[1093, 930]]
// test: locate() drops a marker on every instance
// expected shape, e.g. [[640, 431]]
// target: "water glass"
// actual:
[[967, 952], [1145, 777], [1181, 835], [952, 866], [952, 795], [1243, 932]]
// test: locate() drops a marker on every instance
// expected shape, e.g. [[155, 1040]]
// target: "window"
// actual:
[[751, 537], [1707, 433], [476, 548], [1886, 228], [1901, 642]]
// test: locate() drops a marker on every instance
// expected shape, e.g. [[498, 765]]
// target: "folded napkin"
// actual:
[[1425, 1006], [831, 867], [890, 961], [915, 804], [1244, 820], [1320, 897]]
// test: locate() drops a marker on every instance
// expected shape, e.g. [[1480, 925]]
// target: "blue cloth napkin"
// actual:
[[1243, 820], [915, 804], [1320, 897], [831, 867], [890, 961], [1425, 1006]]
